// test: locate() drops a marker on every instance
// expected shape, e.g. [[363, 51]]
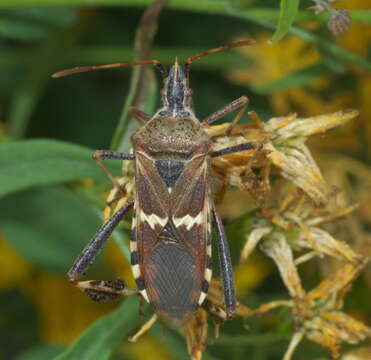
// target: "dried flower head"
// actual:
[[290, 233], [339, 21]]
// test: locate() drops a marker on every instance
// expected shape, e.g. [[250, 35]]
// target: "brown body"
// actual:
[[173, 211], [171, 227]]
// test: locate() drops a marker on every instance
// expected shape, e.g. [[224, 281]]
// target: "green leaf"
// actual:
[[168, 338], [30, 163], [49, 16], [288, 13], [40, 352], [19, 30], [99, 341], [142, 82], [47, 226], [38, 69], [325, 46]]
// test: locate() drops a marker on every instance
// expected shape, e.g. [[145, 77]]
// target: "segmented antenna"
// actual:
[[80, 69], [190, 60]]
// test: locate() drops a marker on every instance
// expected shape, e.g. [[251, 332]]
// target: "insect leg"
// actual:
[[88, 255], [241, 102], [108, 154], [102, 291], [139, 115], [143, 329], [225, 264], [237, 148], [255, 119]]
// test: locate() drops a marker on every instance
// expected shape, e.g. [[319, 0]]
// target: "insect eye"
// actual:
[[183, 113]]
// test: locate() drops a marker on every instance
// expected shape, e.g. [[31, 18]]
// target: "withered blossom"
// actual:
[[316, 314], [339, 20], [283, 140], [362, 353]]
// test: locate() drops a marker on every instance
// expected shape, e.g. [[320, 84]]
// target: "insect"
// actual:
[[172, 207]]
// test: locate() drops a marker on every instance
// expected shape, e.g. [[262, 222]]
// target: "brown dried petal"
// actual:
[[281, 253], [298, 166], [334, 287], [362, 353], [323, 243], [252, 240], [291, 127], [333, 328]]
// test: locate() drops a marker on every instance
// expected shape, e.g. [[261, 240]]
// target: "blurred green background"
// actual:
[[52, 193]]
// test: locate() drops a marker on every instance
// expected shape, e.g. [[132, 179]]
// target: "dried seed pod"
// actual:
[[339, 22]]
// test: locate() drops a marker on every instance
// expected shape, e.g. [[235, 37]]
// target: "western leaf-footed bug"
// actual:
[[173, 208]]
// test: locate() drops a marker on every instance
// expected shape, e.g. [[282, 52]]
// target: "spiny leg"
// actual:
[[237, 148], [243, 101], [139, 115], [225, 265], [90, 252], [236, 120], [103, 291], [108, 154]]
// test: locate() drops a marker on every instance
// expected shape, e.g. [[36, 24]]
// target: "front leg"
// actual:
[[108, 154], [225, 265], [252, 145], [241, 102], [139, 115], [90, 252]]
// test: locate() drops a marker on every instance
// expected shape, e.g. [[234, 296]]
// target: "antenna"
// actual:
[[190, 60], [80, 69]]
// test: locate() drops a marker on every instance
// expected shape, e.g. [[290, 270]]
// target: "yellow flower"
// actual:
[[274, 61], [358, 35], [250, 274], [13, 269], [64, 311]]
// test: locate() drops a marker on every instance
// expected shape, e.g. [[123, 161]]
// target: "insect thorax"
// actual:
[[165, 136]]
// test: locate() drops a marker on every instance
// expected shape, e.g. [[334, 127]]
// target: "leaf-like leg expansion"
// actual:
[[90, 252], [243, 101], [225, 265], [105, 290], [108, 154], [139, 115], [143, 329], [237, 148]]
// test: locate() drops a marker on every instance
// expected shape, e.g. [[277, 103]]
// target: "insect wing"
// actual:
[[193, 222], [171, 250]]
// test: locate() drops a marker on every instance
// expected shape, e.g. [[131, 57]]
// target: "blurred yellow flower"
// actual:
[[250, 274], [64, 311], [13, 269], [274, 61], [358, 35]]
